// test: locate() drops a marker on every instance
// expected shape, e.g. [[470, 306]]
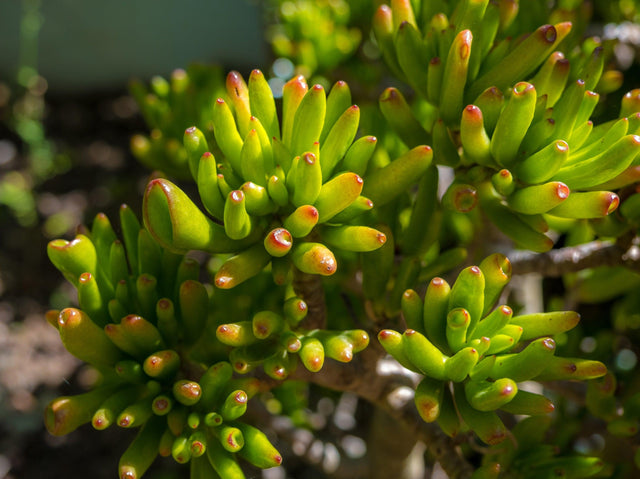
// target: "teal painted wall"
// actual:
[[99, 44]]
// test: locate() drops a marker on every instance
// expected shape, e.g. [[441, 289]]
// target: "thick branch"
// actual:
[[392, 448], [576, 258], [391, 391], [309, 287]]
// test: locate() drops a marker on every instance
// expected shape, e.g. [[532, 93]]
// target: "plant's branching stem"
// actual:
[[391, 391], [392, 448], [309, 287], [576, 258]]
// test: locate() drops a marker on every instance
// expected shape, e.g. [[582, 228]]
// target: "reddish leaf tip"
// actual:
[[125, 421], [562, 191], [612, 203], [309, 158], [561, 146], [549, 33], [236, 196], [549, 344], [384, 334]]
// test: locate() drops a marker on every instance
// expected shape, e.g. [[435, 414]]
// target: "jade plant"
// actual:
[[386, 263]]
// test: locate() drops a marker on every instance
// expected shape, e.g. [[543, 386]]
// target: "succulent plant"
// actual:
[[473, 355], [285, 192], [319, 236], [524, 143], [142, 324]]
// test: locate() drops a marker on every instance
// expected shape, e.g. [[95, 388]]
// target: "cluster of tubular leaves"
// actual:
[[170, 106], [511, 116], [142, 324], [473, 356], [274, 342], [315, 35], [145, 322], [286, 194]]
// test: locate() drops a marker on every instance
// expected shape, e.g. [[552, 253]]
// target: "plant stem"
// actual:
[[576, 258], [391, 446], [392, 391], [309, 287]]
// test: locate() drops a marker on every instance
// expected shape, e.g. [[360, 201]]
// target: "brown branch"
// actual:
[[309, 287], [391, 447], [391, 392], [576, 258]]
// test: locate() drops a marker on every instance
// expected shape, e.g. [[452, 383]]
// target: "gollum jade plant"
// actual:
[[331, 249]]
